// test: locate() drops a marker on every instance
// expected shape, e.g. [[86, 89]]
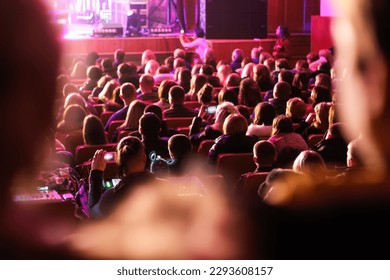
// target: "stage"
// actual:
[[162, 45]]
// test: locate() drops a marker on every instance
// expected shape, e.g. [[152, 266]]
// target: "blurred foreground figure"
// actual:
[[346, 217], [29, 53]]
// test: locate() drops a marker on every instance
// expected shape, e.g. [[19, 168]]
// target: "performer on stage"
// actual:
[[200, 43]]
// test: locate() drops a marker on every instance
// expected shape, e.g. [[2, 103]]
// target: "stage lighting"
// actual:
[[133, 26]]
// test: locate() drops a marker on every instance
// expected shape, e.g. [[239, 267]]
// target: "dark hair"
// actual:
[[129, 149], [179, 145], [321, 94], [163, 89], [284, 33], [93, 131], [228, 95], [151, 108], [249, 93], [205, 94], [282, 124], [265, 152], [94, 73], [177, 94], [150, 124], [264, 114], [199, 32]]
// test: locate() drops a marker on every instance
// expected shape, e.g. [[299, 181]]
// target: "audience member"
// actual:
[[148, 93], [177, 109], [281, 95], [180, 149], [233, 139], [249, 93], [211, 131], [131, 160], [282, 47], [128, 94], [262, 121], [93, 131]]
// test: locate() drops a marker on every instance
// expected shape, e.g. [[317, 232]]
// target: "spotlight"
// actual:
[[133, 26]]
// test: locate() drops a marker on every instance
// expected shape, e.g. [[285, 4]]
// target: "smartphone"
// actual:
[[109, 183], [109, 156], [211, 109]]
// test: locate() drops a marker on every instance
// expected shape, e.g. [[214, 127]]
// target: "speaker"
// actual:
[[243, 19]]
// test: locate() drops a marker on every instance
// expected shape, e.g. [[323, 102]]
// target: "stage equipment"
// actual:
[[108, 30], [244, 19]]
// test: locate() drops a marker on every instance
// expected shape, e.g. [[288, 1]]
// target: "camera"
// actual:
[[109, 156], [211, 109]]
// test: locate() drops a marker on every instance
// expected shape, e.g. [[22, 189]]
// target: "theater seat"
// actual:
[[72, 140], [178, 122], [105, 115], [250, 182], [205, 146], [112, 127], [232, 166]]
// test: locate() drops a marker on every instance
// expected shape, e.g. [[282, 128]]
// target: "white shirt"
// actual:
[[200, 45]]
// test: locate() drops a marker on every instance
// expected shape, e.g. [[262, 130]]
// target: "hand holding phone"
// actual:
[[109, 156], [211, 109]]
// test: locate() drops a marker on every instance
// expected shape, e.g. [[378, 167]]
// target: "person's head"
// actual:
[[134, 113], [75, 99], [168, 62], [282, 90], [124, 69], [261, 73], [119, 55], [107, 94], [282, 64], [93, 131], [321, 111], [354, 156], [233, 80], [131, 156], [106, 64], [205, 94], [264, 153], [128, 93], [320, 94], [146, 56], [163, 89], [31, 87], [206, 70], [235, 124], [302, 66], [176, 95], [179, 53], [228, 95], [79, 70], [179, 62], [323, 80], [282, 124], [249, 93], [146, 83], [73, 117], [199, 32], [69, 88], [255, 52], [310, 163], [237, 55], [286, 76], [151, 67], [223, 111], [179, 146], [104, 80], [90, 60], [149, 126], [152, 108], [197, 82], [295, 109], [301, 81], [264, 114], [311, 57], [94, 73], [282, 31], [264, 56], [247, 70]]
